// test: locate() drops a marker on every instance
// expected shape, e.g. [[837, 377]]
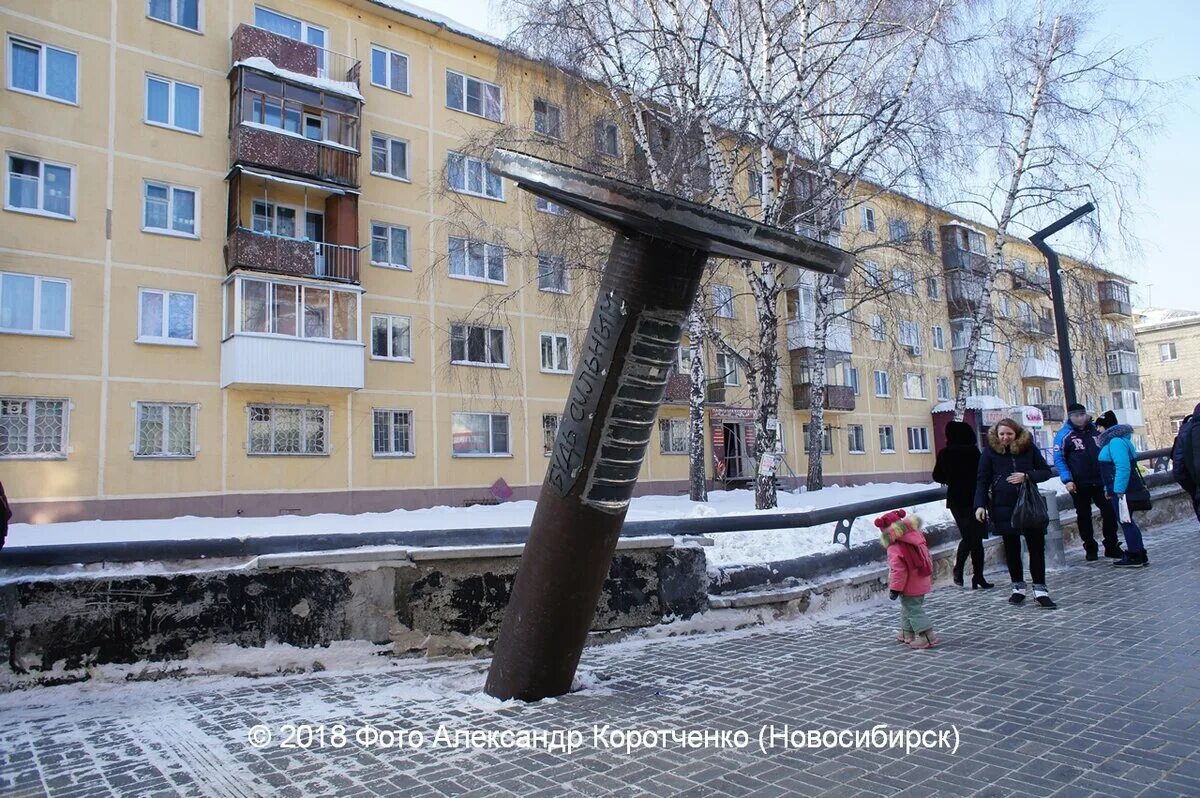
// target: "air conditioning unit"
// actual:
[[915, 349]]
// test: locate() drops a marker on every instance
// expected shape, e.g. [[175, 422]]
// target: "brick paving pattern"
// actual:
[[1101, 697]]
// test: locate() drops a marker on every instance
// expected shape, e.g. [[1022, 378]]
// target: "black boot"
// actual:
[[1090, 551], [957, 574], [978, 581], [1113, 552], [1018, 593]]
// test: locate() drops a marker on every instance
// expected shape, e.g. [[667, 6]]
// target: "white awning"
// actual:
[[984, 402]]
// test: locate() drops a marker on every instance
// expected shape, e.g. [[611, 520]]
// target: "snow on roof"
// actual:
[[345, 88], [440, 20], [973, 403]]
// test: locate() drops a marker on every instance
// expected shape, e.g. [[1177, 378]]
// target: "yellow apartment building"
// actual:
[[1168, 344], [249, 265]]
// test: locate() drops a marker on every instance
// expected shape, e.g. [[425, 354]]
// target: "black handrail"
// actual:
[[208, 548]]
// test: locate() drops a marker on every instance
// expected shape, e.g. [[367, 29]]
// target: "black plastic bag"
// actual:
[[1137, 495], [1030, 514]]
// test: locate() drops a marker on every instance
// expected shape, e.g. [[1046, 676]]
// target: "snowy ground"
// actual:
[[729, 548]]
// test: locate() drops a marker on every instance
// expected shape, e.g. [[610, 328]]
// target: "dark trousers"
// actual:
[[1036, 543], [971, 543], [1084, 497], [1133, 534], [1196, 503]]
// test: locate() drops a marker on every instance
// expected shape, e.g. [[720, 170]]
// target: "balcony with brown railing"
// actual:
[[679, 390], [1114, 299], [838, 398], [263, 252], [285, 54]]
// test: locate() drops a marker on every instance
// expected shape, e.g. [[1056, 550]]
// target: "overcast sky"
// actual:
[[1168, 271]]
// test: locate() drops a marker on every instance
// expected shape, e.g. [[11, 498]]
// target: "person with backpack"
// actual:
[[956, 467], [1118, 461], [1076, 455], [1185, 458], [1010, 460]]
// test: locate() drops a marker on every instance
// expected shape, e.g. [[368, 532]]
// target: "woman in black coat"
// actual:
[[1009, 459], [956, 467]]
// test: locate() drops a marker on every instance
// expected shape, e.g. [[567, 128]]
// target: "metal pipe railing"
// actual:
[[152, 550]]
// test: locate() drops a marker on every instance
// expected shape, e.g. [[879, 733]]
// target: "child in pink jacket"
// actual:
[[911, 575]]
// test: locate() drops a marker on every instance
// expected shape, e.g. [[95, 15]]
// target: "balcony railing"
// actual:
[[1124, 382], [1119, 345], [291, 55], [1055, 414], [986, 362], [1114, 299], [838, 398], [1037, 368], [246, 249], [279, 151], [802, 338], [961, 259], [679, 390], [1033, 283]]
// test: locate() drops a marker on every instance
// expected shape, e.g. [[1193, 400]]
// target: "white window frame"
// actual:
[[904, 280], [867, 223], [920, 382], [887, 384], [388, 141], [552, 430], [37, 329], [389, 230], [545, 115], [543, 205], [918, 439], [943, 396], [933, 288], [1174, 388], [483, 103], [891, 435], [43, 62], [555, 367], [391, 319], [852, 379], [602, 128], [1167, 352], [161, 453], [826, 439], [170, 124], [558, 265], [299, 219], [490, 251], [64, 437], [666, 436], [171, 189], [175, 15], [487, 345], [727, 368], [491, 435], [938, 337], [723, 305], [391, 422], [387, 53], [234, 317], [878, 328], [467, 163], [325, 437], [40, 210], [306, 28], [165, 339], [861, 440]]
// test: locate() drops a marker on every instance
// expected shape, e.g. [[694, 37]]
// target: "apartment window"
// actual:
[[33, 427], [887, 439], [546, 206], [547, 119], [929, 243], [852, 379], [475, 260], [608, 139], [1125, 400], [933, 288], [938, 336], [904, 281], [389, 156], [301, 311], [1166, 352], [389, 245], [1033, 395], [182, 13], [35, 305], [173, 104], [1176, 425], [1174, 389], [552, 273], [391, 337], [555, 353], [868, 219], [472, 96], [943, 389], [754, 183], [898, 230], [914, 386], [856, 442], [1014, 395], [910, 336], [283, 430], [165, 430], [389, 69], [36, 186], [477, 346], [727, 369], [479, 434], [723, 301], [874, 275], [918, 439], [272, 219], [169, 209], [878, 330], [550, 422], [166, 317], [826, 438], [293, 28], [42, 70], [882, 384], [393, 433], [471, 176], [673, 435]]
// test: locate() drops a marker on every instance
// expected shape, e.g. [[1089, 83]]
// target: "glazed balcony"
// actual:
[[801, 340], [1119, 345], [1031, 283], [964, 249], [1036, 326], [838, 398], [986, 361], [1114, 299], [262, 252], [289, 55], [1039, 368]]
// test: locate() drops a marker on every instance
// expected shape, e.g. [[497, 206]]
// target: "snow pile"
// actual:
[[437, 19], [343, 87]]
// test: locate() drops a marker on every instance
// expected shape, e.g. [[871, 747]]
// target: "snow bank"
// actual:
[[342, 87]]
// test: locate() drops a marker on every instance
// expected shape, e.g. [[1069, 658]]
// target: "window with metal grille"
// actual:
[[285, 430]]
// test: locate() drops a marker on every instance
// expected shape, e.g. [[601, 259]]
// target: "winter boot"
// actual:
[[1113, 552], [1090, 551], [978, 582], [1132, 560], [1042, 596], [1018, 593]]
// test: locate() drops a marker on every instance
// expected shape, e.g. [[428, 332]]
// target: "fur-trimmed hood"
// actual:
[[1119, 431], [1023, 442]]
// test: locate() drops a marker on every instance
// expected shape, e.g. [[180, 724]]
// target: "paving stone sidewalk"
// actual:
[[1101, 697]]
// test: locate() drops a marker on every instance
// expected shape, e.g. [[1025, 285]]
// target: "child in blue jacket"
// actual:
[[1118, 458]]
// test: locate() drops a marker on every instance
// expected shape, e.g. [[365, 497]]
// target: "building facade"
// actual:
[[1168, 343], [245, 269]]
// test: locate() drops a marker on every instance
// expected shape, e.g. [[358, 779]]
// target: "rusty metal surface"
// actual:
[[630, 208]]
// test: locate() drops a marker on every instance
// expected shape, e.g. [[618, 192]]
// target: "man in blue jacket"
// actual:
[[1076, 456]]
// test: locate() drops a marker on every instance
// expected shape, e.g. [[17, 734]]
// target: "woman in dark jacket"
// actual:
[[956, 467], [1009, 459]]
